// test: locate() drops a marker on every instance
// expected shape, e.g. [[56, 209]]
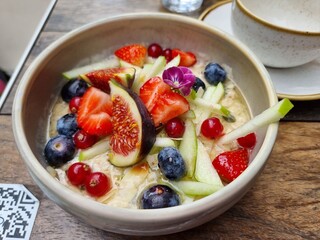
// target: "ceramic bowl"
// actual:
[[281, 33], [42, 83]]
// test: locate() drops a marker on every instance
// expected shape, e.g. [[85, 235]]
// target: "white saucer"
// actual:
[[299, 83]]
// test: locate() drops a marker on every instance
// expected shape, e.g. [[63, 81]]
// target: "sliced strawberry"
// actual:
[[100, 78], [152, 90], [169, 105], [231, 164], [134, 54], [162, 103], [187, 59], [248, 141], [94, 114]]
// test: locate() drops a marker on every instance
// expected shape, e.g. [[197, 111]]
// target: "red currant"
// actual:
[[83, 140], [211, 128], [154, 50], [77, 173], [175, 128], [97, 184], [167, 53], [74, 104], [248, 141]]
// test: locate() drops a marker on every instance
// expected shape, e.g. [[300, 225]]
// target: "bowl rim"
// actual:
[[258, 19], [69, 197]]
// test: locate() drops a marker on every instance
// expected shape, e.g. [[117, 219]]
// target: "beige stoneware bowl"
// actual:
[[281, 33], [42, 82]]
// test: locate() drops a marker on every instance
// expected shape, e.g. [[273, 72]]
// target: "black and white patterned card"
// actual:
[[18, 210]]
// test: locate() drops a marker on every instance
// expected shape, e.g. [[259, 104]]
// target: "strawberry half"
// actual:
[[152, 90], [187, 59], [100, 78], [134, 54], [248, 141], [231, 164], [169, 105], [94, 114]]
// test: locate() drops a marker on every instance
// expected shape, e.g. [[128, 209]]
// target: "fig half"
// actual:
[[134, 133]]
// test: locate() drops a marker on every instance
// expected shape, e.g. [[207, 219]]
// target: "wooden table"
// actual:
[[283, 204]]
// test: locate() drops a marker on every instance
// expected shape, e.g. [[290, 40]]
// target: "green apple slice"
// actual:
[[196, 188], [217, 94], [76, 72], [199, 93], [123, 63], [173, 63], [188, 115], [99, 148], [140, 79], [157, 67], [208, 93], [213, 94], [162, 142], [213, 108], [271, 115], [189, 147], [205, 172]]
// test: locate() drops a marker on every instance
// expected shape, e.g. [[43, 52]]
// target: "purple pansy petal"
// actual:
[[189, 79], [185, 90], [180, 78], [185, 70], [173, 76], [188, 76]]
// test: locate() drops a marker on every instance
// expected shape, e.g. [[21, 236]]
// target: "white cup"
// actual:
[[182, 6], [281, 33]]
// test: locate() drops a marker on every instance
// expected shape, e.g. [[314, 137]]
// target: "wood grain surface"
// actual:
[[284, 203]]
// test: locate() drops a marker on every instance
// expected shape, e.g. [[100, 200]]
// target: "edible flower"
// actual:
[[180, 78]]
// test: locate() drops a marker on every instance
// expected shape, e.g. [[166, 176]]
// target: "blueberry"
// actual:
[[73, 88], [171, 163], [159, 196], [198, 84], [59, 150], [214, 73], [67, 124]]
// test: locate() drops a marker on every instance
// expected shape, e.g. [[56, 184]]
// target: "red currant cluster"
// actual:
[[155, 50], [95, 183]]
